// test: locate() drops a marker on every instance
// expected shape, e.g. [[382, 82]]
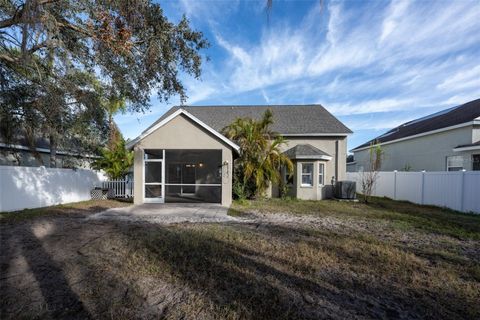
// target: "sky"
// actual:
[[373, 64]]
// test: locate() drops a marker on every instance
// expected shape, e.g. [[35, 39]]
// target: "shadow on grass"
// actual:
[[250, 284], [428, 218]]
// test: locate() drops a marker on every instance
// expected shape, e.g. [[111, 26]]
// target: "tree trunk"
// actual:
[[53, 151]]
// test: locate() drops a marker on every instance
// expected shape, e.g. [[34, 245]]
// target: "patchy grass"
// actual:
[[398, 214], [90, 206], [290, 260]]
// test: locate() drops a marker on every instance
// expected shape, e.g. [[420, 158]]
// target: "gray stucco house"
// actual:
[[445, 141], [183, 157], [19, 151]]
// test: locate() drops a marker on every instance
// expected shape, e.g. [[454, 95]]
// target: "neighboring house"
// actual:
[[351, 164], [17, 152], [445, 141], [184, 157]]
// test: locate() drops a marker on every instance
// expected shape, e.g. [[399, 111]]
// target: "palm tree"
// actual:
[[113, 105], [260, 158]]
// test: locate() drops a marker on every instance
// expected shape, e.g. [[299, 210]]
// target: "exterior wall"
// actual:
[[315, 192], [25, 158], [351, 167], [327, 144], [423, 153], [182, 133]]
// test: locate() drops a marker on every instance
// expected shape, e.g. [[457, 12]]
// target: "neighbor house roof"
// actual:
[[462, 114], [19, 141], [287, 119], [307, 151], [466, 147]]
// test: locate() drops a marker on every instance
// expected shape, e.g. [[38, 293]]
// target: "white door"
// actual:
[[153, 181]]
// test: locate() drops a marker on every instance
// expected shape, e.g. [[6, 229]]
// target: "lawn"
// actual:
[[280, 260]]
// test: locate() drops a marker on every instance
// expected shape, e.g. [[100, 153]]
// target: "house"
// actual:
[[183, 156], [16, 151], [448, 140]]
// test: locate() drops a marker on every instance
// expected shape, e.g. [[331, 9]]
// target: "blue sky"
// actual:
[[373, 64]]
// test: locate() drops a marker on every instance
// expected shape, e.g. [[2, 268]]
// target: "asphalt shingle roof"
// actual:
[[301, 151], [288, 119], [469, 145], [447, 118]]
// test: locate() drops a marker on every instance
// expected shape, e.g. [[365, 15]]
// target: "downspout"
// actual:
[[336, 160]]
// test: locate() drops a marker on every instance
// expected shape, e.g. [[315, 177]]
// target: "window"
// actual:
[[321, 174], [476, 162], [454, 163], [307, 174], [287, 177]]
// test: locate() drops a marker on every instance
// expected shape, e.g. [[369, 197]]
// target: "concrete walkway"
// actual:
[[168, 213]]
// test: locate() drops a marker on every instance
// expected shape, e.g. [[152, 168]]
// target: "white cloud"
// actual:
[[396, 12], [468, 78]]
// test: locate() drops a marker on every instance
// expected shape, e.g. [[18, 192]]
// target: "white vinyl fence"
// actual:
[[34, 187], [459, 190], [120, 188]]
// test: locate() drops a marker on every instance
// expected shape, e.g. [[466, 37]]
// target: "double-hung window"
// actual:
[[455, 163], [321, 174], [307, 174]]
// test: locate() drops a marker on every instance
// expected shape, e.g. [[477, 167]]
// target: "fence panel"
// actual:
[[409, 186], [34, 187], [471, 192], [444, 189], [455, 190], [385, 186], [121, 188]]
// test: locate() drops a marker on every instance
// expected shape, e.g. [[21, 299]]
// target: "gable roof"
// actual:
[[288, 119], [306, 151], [455, 116], [171, 116]]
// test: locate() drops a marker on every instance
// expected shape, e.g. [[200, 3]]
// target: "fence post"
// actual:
[[394, 184], [462, 195], [423, 187]]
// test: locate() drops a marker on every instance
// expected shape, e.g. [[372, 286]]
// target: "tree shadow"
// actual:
[[429, 218], [59, 299], [251, 285]]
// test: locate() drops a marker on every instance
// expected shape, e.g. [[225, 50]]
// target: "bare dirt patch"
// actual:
[[326, 262]]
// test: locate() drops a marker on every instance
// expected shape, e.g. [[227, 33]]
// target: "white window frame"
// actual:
[[162, 183], [321, 174], [460, 168], [306, 174]]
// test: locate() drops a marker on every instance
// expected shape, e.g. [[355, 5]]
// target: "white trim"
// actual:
[[320, 164], [192, 117], [315, 134], [466, 124], [471, 148], [462, 167], [328, 158], [195, 184], [353, 162], [45, 150], [311, 174], [153, 200]]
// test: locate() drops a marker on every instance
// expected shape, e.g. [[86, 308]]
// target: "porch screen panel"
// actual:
[[193, 175]]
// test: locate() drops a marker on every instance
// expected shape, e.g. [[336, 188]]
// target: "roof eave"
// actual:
[[327, 158], [468, 148]]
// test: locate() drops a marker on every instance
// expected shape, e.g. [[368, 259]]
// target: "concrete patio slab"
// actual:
[[168, 213]]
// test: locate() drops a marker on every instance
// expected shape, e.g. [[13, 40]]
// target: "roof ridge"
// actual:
[[250, 105]]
